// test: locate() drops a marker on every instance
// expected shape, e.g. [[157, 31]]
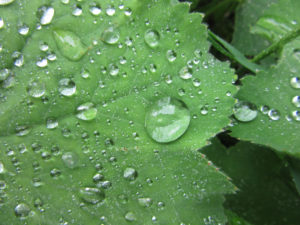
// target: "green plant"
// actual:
[[115, 112]]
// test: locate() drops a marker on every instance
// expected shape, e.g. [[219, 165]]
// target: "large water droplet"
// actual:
[[22, 210], [70, 159], [92, 195], [6, 2], [152, 38], [245, 111], [130, 174], [69, 44], [36, 89], [67, 87], [296, 101], [47, 16], [22, 130], [167, 120], [110, 35], [295, 82], [86, 111]]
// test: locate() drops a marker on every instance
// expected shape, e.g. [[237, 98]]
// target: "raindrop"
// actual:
[[52, 123], [55, 173], [70, 159], [295, 82], [130, 217], [85, 74], [274, 114], [296, 101], [23, 30], [6, 2], [152, 38], [47, 16], [245, 111], [36, 89], [171, 55], [22, 210], [69, 44], [86, 111], [67, 87], [167, 119], [44, 47], [110, 35], [186, 73], [130, 174], [91, 195]]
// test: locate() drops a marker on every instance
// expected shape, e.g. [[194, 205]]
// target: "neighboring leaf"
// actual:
[[70, 113], [246, 17], [265, 195], [275, 93], [234, 219], [279, 20]]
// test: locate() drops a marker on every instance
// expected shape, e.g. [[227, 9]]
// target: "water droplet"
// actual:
[[22, 210], [47, 16], [295, 82], [22, 130], [69, 44], [85, 74], [1, 168], [145, 202], [274, 114], [4, 74], [196, 82], [110, 11], [186, 73], [23, 30], [70, 159], [204, 109], [167, 120], [264, 109], [1, 23], [130, 174], [67, 87], [296, 101], [36, 89], [42, 63], [77, 10], [95, 9], [44, 47], [110, 36], [130, 217], [245, 111], [6, 2], [152, 38], [113, 70], [171, 55], [65, 1], [91, 195], [86, 111], [52, 123]]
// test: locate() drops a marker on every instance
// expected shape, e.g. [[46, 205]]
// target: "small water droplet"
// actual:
[[44, 47], [86, 111], [91, 195], [245, 111], [47, 16], [130, 217], [110, 36], [67, 87], [295, 82], [95, 10], [167, 120], [113, 70], [171, 55], [110, 11], [196, 82], [274, 114], [69, 44], [145, 202], [204, 109], [52, 123], [77, 10], [22, 130], [23, 30], [296, 101], [296, 115], [130, 174], [70, 159], [186, 73], [36, 89], [152, 38], [1, 168], [22, 210], [43, 62], [6, 2], [4, 74]]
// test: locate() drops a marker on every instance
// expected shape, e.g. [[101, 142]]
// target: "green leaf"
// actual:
[[74, 146], [274, 92], [246, 17], [265, 194]]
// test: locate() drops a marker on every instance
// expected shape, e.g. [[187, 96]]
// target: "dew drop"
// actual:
[[77, 11], [1, 168], [47, 16], [152, 38], [22, 130], [42, 63], [70, 159], [296, 101], [274, 114], [245, 111], [4, 73], [167, 120], [171, 55], [36, 89], [295, 82], [52, 123], [1, 23], [110, 11], [69, 44], [145, 202], [22, 210], [130, 217], [113, 70], [186, 73], [91, 195], [204, 110], [196, 82], [86, 111], [110, 36], [67, 87], [23, 30], [95, 10], [6, 2], [296, 115], [130, 174]]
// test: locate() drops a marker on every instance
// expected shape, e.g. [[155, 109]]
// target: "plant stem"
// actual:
[[275, 46]]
